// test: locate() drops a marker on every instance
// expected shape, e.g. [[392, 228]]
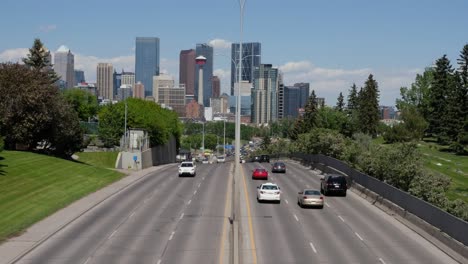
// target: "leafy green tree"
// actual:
[[368, 110], [39, 59], [431, 187], [160, 123], [462, 95], [340, 103], [83, 102], [310, 112], [265, 142], [331, 118], [418, 95]]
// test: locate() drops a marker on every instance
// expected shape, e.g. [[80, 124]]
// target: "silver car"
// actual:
[[310, 197]]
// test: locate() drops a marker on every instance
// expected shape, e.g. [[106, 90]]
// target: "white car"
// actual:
[[269, 192], [187, 168], [220, 159]]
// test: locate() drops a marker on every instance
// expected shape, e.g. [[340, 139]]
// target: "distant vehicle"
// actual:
[[260, 173], [309, 197], [333, 183], [205, 161], [256, 159], [265, 158], [187, 168], [268, 192], [279, 167], [220, 159]]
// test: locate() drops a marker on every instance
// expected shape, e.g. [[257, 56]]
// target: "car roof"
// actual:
[[270, 183]]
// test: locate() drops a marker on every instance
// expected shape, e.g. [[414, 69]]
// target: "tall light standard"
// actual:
[[236, 200], [224, 138]]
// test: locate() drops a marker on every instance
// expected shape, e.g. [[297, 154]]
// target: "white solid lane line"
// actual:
[[172, 235], [313, 248], [341, 218], [113, 233], [359, 236], [132, 214], [297, 219]]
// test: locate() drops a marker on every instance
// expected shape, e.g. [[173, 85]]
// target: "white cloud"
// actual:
[[220, 44], [13, 55], [47, 28]]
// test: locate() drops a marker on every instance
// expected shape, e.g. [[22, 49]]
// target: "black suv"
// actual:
[[264, 158], [333, 183]]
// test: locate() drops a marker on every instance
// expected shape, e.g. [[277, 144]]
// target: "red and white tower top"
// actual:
[[200, 60]]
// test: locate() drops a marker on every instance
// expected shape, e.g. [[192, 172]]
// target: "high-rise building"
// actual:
[[146, 62], [128, 78], [187, 70], [138, 91], [295, 98], [64, 66], [105, 85], [281, 98], [206, 51], [216, 87], [161, 81], [304, 93], [264, 94], [124, 92], [173, 97], [251, 59], [117, 80], [79, 77]]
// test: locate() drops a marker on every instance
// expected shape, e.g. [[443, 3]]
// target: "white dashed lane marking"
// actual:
[[181, 216], [297, 219], [381, 261], [189, 201], [313, 248], [172, 235], [359, 236], [341, 218], [286, 201]]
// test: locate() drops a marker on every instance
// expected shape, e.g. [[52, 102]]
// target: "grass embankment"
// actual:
[[456, 167], [98, 159], [33, 186]]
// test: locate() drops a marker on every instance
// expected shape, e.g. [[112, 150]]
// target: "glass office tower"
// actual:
[[251, 54], [146, 62]]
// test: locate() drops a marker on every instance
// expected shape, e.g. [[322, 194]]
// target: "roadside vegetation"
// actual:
[[98, 159], [434, 107], [34, 186]]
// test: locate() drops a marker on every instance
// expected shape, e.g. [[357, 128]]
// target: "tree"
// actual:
[[39, 59], [368, 110], [340, 102], [33, 112], [353, 98], [462, 94], [310, 112], [265, 142], [418, 95], [83, 102], [442, 86]]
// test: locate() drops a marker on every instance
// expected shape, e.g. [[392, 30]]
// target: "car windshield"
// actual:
[[337, 179], [311, 192], [270, 187], [279, 164], [186, 165], [220, 157]]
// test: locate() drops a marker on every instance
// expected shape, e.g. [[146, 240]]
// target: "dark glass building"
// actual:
[[295, 97], [117, 82], [187, 70], [79, 77], [146, 62], [206, 51], [251, 54]]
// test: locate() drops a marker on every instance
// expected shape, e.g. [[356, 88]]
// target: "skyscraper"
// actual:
[[216, 87], [264, 94], [128, 78], [79, 77], [64, 66], [251, 53], [146, 62], [117, 80], [187, 70], [161, 81], [304, 93], [206, 51], [138, 90], [105, 85]]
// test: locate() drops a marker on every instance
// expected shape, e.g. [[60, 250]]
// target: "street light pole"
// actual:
[[224, 139], [125, 127]]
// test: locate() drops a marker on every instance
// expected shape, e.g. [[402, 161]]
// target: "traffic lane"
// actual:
[[278, 237], [197, 237], [385, 236], [331, 241], [80, 239]]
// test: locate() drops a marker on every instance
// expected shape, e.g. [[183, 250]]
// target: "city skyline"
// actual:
[[329, 45]]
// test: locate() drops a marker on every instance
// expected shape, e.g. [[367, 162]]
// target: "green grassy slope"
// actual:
[[33, 186]]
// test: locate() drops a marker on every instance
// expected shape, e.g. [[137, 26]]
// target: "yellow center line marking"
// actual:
[[249, 217], [226, 219]]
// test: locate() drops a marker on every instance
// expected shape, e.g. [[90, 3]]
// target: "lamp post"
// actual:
[[224, 139], [236, 200]]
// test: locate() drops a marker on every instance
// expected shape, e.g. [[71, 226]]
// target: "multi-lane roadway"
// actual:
[[163, 218]]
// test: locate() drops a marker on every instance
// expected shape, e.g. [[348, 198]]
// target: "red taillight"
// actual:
[[321, 197], [305, 197]]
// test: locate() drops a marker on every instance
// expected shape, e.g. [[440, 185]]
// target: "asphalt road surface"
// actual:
[[347, 230]]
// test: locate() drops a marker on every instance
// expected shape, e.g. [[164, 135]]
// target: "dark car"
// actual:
[[265, 158], [279, 167], [256, 159], [333, 183]]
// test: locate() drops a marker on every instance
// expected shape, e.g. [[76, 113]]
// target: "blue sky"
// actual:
[[330, 44]]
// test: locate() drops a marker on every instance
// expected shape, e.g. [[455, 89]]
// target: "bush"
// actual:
[[321, 141], [431, 187]]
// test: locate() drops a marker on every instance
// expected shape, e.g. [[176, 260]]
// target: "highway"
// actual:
[[167, 219], [160, 219], [347, 230]]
